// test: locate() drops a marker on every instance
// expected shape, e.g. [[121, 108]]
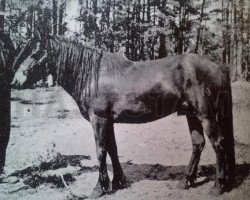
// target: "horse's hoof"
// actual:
[[119, 183], [186, 182], [217, 190], [230, 184], [183, 184], [99, 191]]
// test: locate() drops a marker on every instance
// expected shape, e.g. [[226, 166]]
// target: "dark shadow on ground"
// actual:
[[29, 102], [134, 172], [33, 175], [15, 99]]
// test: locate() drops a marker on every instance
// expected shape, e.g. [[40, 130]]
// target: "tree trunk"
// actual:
[[228, 29], [248, 43], [2, 9], [232, 43], [30, 23], [153, 39], [200, 28], [61, 16], [5, 89], [128, 32], [235, 42], [238, 24], [55, 17], [133, 37], [47, 21], [241, 39], [180, 39], [224, 53], [142, 57], [162, 48], [148, 12]]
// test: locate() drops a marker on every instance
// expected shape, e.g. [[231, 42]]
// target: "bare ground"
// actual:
[[51, 154]]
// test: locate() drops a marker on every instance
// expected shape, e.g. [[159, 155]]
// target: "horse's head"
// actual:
[[30, 65]]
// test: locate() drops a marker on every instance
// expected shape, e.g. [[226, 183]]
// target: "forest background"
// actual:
[[140, 29]]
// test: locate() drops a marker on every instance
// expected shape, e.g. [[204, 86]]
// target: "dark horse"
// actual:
[[7, 54], [109, 88]]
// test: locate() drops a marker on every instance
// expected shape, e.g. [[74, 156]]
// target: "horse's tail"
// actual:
[[225, 117]]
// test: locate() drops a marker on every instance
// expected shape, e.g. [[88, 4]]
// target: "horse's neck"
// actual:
[[61, 73], [76, 77], [66, 80]]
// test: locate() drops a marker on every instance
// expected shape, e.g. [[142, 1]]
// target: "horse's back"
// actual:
[[150, 90]]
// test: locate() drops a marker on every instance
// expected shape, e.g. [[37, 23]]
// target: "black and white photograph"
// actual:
[[124, 99]]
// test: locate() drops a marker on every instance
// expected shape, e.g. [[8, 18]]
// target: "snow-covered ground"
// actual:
[[51, 153]]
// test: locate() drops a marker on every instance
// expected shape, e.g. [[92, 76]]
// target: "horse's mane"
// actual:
[[82, 63]]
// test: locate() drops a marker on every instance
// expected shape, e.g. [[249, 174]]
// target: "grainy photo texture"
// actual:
[[124, 99]]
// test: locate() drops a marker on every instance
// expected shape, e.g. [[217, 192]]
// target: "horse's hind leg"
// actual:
[[101, 127], [198, 142], [214, 132], [119, 180]]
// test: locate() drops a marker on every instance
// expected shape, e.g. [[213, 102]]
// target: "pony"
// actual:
[[7, 53], [109, 88]]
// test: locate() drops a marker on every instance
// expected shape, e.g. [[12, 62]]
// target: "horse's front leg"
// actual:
[[198, 142], [101, 132], [119, 180]]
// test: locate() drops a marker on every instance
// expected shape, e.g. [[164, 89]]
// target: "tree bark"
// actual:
[[180, 39], [241, 39], [162, 48], [133, 37], [128, 32], [30, 23], [142, 57], [61, 16], [148, 12], [200, 28], [55, 17], [248, 43], [2, 9], [153, 39], [6, 61]]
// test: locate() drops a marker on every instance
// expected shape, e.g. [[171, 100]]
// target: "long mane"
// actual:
[[81, 64], [75, 63]]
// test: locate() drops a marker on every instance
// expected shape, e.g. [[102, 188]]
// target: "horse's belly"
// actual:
[[145, 110], [136, 118]]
